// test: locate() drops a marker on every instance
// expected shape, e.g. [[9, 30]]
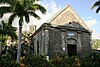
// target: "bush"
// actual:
[[65, 61], [8, 61], [8, 58], [35, 61], [92, 60], [28, 59]]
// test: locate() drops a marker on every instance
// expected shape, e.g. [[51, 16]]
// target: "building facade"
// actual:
[[64, 33]]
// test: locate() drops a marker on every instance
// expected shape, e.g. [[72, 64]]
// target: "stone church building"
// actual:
[[64, 33]]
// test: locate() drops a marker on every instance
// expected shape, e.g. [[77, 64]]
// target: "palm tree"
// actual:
[[5, 31], [96, 4], [22, 9], [8, 30]]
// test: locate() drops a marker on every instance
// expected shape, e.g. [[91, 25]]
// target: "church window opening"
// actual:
[[71, 34]]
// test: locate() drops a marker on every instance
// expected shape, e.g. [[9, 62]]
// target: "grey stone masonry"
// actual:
[[55, 41]]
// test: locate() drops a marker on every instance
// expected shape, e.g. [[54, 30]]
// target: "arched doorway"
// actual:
[[71, 47]]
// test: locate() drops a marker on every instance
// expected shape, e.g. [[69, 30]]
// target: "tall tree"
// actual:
[[5, 9], [21, 9], [7, 30], [96, 4]]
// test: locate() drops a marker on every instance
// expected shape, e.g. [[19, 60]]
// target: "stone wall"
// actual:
[[55, 41], [52, 40], [41, 42], [86, 45], [38, 42]]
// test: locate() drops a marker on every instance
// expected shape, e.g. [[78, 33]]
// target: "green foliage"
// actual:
[[7, 30], [8, 59], [92, 60], [96, 43], [31, 60], [65, 61], [21, 9], [36, 61]]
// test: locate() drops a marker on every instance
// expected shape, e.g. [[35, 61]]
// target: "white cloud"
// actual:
[[95, 35], [89, 17], [90, 21]]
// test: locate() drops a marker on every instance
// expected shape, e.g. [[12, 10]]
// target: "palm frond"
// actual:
[[1, 15], [33, 0], [11, 18], [8, 30], [27, 4], [27, 17], [97, 9], [10, 2], [39, 7], [24, 3], [12, 33], [4, 1], [18, 7], [5, 9], [97, 3], [34, 15]]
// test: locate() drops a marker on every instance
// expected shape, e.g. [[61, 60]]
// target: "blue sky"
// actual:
[[81, 7]]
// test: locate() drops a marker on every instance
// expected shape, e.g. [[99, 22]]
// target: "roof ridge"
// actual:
[[79, 18], [56, 14]]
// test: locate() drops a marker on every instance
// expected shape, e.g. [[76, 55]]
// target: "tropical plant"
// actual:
[[5, 31], [96, 4], [8, 30], [8, 59], [21, 9], [96, 43]]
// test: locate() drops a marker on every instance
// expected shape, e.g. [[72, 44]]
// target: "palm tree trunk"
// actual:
[[19, 44], [1, 44], [0, 48], [1, 39]]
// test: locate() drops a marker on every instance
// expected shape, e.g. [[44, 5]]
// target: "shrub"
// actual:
[[65, 61], [92, 60], [7, 61]]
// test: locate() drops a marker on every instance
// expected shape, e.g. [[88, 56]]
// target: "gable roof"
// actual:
[[67, 8]]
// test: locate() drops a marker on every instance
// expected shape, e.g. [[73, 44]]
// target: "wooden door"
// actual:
[[72, 51]]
